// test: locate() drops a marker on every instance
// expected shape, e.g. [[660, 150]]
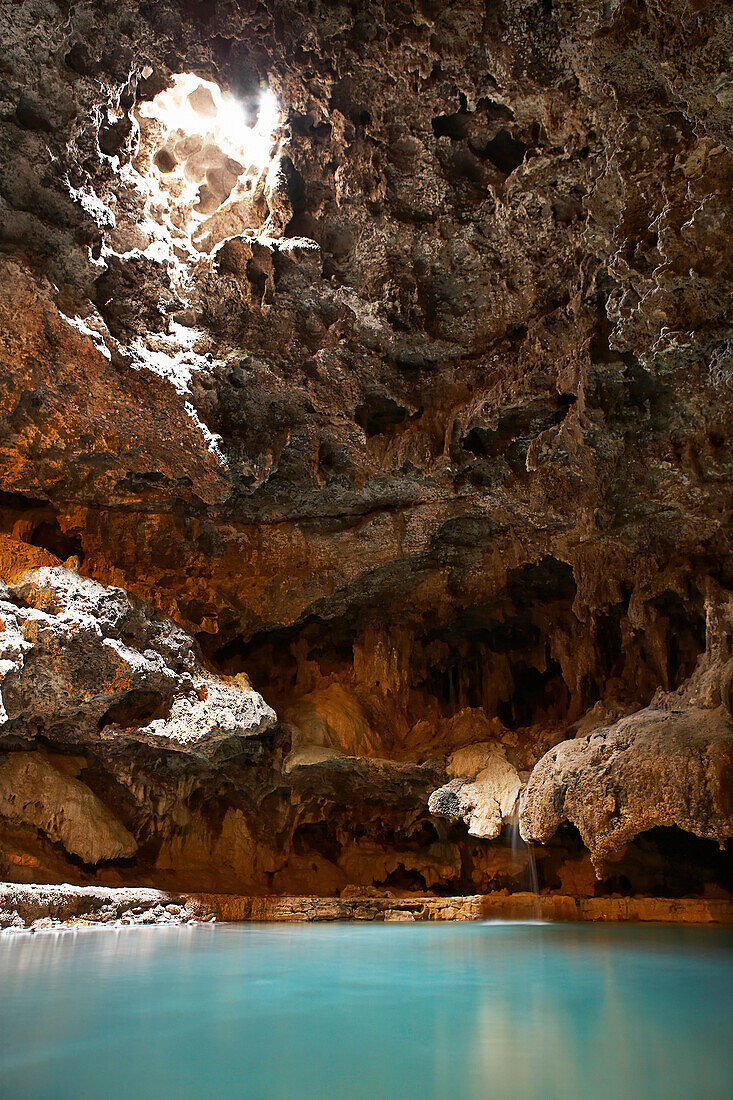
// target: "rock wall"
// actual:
[[365, 451]]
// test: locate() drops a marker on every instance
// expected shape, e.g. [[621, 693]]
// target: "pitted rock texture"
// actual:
[[483, 791], [656, 768], [84, 663], [425, 436], [668, 764]]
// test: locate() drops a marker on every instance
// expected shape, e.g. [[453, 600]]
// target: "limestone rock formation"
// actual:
[[334, 719], [403, 426], [484, 790], [83, 663], [668, 764], [659, 767], [34, 792]]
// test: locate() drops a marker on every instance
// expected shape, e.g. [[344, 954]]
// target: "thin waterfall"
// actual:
[[528, 879]]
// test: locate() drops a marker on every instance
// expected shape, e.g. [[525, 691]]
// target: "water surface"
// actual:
[[400, 1011]]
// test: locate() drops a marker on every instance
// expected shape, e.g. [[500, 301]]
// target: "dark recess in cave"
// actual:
[[668, 862], [505, 152], [41, 518], [379, 415], [536, 695], [49, 536], [136, 708]]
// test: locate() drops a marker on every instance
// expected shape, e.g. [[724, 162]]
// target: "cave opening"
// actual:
[[204, 157]]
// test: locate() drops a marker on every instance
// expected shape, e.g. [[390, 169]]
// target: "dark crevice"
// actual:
[[403, 879], [505, 152], [136, 708], [379, 415], [455, 126], [38, 525], [517, 428], [668, 862], [537, 696], [49, 536]]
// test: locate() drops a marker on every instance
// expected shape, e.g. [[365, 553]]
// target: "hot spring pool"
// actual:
[[275, 1012]]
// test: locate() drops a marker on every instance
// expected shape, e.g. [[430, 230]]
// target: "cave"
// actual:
[[365, 469]]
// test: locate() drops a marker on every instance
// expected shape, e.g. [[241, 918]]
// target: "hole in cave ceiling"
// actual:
[[206, 160]]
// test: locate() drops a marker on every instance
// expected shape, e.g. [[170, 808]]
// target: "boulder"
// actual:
[[90, 664], [658, 767], [483, 791]]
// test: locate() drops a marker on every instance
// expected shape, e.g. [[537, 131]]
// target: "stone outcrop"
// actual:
[[130, 706], [658, 767], [332, 719], [40, 908], [400, 427], [86, 664], [34, 792], [51, 907], [483, 792], [669, 764]]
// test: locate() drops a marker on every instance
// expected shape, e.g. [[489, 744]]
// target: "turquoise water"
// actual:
[[459, 1011]]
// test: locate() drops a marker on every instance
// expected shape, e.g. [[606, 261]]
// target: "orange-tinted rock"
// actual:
[[33, 792], [96, 667], [423, 427]]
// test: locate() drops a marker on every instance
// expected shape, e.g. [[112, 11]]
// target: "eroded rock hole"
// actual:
[[205, 157], [683, 629], [379, 414], [35, 521], [667, 861], [49, 536], [537, 695], [137, 708], [404, 879], [455, 126], [316, 837], [516, 428], [505, 152]]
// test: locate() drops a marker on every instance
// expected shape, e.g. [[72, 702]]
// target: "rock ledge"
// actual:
[[34, 907]]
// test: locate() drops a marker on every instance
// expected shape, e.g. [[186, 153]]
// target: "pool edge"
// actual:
[[26, 906]]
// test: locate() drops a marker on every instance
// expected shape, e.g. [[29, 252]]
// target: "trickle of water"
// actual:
[[520, 848]]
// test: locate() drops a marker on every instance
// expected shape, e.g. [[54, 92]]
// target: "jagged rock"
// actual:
[[86, 664], [72, 906], [33, 792], [471, 725], [484, 790], [656, 767]]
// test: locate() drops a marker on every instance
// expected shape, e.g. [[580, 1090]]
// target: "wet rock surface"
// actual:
[[51, 907], [407, 440]]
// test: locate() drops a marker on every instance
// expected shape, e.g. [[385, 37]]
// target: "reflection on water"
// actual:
[[270, 1012]]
